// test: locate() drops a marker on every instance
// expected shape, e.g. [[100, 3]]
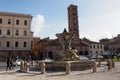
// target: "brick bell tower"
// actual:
[[73, 24]]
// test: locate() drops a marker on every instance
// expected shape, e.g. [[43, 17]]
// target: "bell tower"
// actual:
[[73, 24]]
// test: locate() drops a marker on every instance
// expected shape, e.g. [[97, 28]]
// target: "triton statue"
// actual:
[[68, 53]]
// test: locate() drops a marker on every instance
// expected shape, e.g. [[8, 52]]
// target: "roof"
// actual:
[[54, 42], [89, 41], [15, 14]]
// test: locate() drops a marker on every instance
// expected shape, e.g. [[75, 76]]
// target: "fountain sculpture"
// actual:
[[67, 54]]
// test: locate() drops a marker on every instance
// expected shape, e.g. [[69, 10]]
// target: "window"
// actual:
[[17, 32], [9, 21], [25, 33], [0, 43], [101, 51], [74, 14], [74, 8], [75, 29], [74, 32], [25, 22], [8, 44], [75, 19], [8, 32], [90, 46], [98, 46], [74, 24], [91, 52], [0, 20], [16, 44], [25, 44], [93, 46], [0, 31], [101, 47], [17, 22]]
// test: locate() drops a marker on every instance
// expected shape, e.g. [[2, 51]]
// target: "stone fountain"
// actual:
[[67, 54]]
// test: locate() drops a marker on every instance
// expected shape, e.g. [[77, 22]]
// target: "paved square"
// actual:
[[101, 74]]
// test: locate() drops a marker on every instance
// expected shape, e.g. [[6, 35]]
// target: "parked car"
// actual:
[[17, 62], [83, 58]]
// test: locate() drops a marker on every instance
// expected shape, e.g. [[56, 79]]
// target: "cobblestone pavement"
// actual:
[[101, 74]]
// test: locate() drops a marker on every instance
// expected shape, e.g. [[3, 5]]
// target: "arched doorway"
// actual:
[[50, 55], [86, 53], [81, 53], [42, 55]]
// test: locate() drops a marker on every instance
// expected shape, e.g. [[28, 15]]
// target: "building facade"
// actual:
[[112, 46], [96, 49], [15, 34]]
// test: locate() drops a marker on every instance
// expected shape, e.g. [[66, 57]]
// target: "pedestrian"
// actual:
[[8, 64], [11, 63]]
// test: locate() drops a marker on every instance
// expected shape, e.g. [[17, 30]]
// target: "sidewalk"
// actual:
[[101, 74]]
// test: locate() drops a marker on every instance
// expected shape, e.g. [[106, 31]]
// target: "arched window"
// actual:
[[25, 44], [25, 33], [8, 32], [7, 44], [16, 44]]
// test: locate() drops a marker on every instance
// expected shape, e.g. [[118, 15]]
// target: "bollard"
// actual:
[[113, 63], [26, 66], [94, 67], [28, 69], [43, 68], [109, 63], [68, 68], [22, 66], [32, 63], [99, 63]]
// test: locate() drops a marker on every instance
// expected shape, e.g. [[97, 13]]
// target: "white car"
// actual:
[[83, 58], [17, 62]]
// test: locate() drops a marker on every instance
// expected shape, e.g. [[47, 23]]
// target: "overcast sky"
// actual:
[[97, 18]]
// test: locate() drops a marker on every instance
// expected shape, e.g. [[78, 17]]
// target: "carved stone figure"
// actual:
[[67, 53]]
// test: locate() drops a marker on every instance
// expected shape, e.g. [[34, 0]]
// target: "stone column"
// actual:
[[22, 66], [68, 67], [43, 68], [113, 63], [26, 66], [32, 63], [109, 64], [94, 67], [99, 63]]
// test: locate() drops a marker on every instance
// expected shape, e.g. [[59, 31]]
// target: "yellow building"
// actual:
[[15, 34]]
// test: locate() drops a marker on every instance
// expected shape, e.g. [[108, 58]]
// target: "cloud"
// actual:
[[105, 34], [102, 26], [37, 24]]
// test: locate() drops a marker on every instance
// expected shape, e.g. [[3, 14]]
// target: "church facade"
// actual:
[[52, 46]]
